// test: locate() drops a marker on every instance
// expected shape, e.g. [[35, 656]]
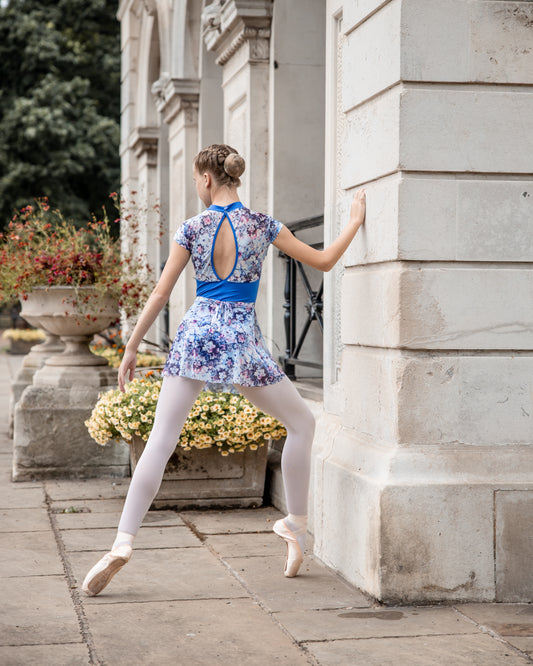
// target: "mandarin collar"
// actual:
[[226, 209]]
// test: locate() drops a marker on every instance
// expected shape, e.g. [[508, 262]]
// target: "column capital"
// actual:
[[226, 26], [143, 141], [173, 95]]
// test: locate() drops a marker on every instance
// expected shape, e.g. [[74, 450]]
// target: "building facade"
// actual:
[[422, 378]]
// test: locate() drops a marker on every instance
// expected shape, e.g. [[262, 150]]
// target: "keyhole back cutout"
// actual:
[[224, 254]]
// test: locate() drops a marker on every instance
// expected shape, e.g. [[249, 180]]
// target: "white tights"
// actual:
[[177, 396]]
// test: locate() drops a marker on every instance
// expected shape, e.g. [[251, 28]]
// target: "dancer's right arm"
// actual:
[[174, 266]]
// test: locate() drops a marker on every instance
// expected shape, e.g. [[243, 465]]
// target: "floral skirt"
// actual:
[[220, 342]]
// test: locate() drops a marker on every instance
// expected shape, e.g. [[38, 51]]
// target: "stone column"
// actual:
[[238, 31], [425, 486], [178, 104]]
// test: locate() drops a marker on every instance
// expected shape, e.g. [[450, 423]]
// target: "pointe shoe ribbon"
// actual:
[[294, 552], [104, 570]]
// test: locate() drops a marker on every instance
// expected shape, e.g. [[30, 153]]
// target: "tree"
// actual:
[[59, 104]]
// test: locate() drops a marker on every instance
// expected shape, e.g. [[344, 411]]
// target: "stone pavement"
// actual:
[[205, 588]]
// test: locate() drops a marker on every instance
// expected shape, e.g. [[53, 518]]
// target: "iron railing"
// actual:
[[313, 306]]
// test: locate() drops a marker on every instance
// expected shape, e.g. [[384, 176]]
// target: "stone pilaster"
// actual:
[[177, 102], [422, 490], [238, 32]]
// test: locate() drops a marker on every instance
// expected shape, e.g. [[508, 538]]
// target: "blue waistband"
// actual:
[[245, 292]]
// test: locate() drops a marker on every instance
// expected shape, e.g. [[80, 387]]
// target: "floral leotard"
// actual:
[[219, 340]]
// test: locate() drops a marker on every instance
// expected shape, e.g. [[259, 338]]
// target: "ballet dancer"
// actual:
[[219, 342]]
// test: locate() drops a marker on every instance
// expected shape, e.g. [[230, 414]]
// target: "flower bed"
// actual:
[[21, 340], [40, 248], [226, 421]]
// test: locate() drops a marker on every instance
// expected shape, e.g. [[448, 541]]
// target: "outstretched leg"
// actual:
[[283, 402], [177, 396]]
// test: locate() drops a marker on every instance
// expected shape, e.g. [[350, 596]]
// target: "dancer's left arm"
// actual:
[[174, 266]]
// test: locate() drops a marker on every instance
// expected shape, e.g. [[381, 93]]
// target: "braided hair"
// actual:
[[223, 162]]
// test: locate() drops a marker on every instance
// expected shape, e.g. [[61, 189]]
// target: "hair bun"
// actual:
[[234, 165]]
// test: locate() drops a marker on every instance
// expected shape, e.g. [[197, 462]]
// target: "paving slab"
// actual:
[[76, 521], [176, 536], [226, 522], [451, 650], [6, 482], [37, 609], [24, 520], [82, 489], [524, 644], [21, 498], [23, 554], [159, 575], [66, 654], [196, 633], [504, 619], [246, 545], [101, 505], [315, 587], [374, 622]]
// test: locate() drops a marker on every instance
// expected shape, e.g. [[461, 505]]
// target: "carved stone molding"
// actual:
[[259, 45], [228, 25], [173, 96], [144, 142]]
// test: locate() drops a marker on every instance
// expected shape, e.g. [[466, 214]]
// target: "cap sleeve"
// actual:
[[182, 236], [274, 228]]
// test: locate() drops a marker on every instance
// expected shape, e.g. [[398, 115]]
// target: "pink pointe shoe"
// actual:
[[104, 570], [294, 552]]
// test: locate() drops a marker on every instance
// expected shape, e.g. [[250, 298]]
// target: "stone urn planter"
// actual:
[[58, 312], [49, 436], [203, 478]]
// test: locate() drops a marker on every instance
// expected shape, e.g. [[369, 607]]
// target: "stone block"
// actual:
[[500, 42], [466, 308], [493, 220], [448, 129], [371, 408], [448, 307], [442, 552], [347, 518], [371, 56], [379, 238], [442, 218], [430, 29], [433, 399], [514, 542], [483, 42], [51, 440], [375, 137], [356, 12], [466, 400]]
